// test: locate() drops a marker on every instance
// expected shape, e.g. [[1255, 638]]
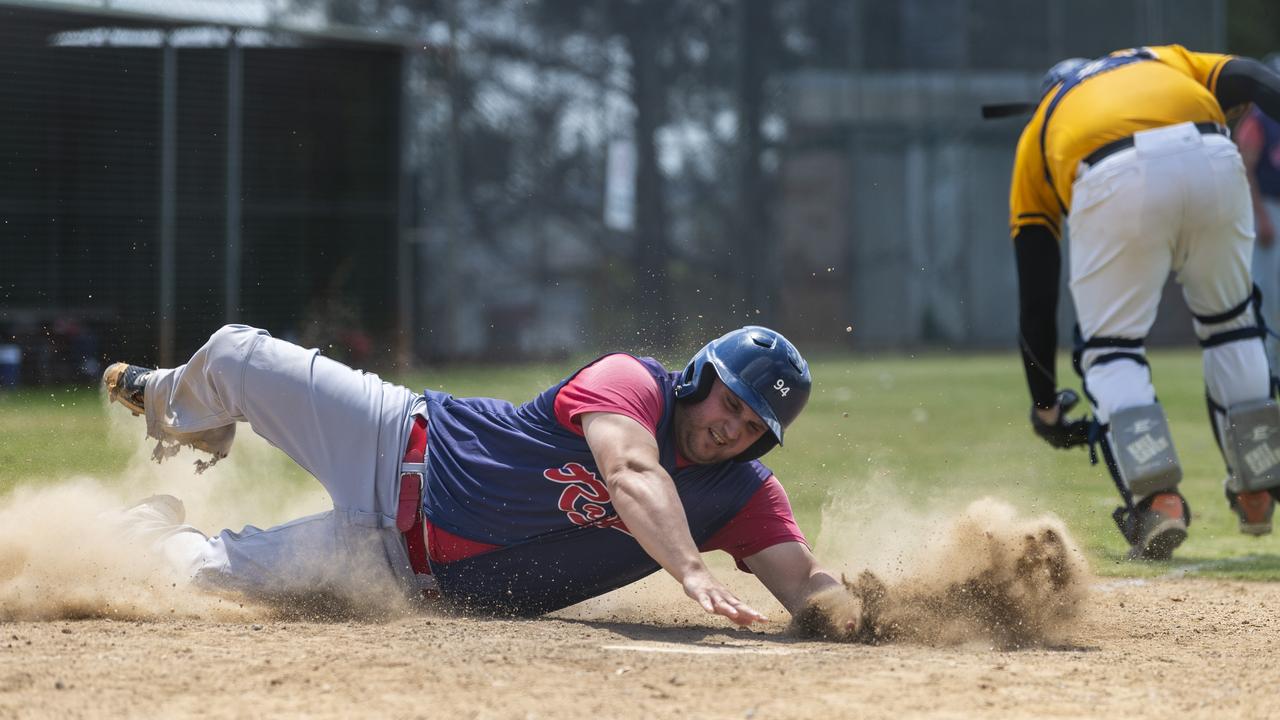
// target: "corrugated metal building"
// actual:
[[168, 166], [894, 218]]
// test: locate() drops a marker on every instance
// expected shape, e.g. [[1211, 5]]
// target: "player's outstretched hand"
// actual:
[[717, 600], [1061, 432]]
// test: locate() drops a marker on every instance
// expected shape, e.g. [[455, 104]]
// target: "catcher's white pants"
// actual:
[[1177, 201], [345, 427]]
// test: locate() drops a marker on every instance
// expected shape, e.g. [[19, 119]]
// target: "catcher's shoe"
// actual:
[[126, 384], [1160, 526], [1253, 510]]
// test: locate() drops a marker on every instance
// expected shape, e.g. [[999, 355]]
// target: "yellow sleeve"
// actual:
[[1031, 200], [1202, 67]]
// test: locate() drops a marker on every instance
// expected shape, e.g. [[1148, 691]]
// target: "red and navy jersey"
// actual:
[[1258, 130], [520, 478]]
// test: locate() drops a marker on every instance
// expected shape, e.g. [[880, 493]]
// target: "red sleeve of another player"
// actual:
[[765, 521], [616, 384], [1249, 134]]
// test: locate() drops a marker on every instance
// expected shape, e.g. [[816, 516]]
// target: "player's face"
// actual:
[[718, 428]]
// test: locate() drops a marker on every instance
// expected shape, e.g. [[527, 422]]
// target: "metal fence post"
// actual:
[[168, 198], [235, 118]]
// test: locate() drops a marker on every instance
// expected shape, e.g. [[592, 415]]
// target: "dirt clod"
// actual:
[[987, 576]]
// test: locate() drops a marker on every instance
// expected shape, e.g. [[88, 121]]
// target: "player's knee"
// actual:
[[1236, 372], [229, 347], [1119, 384]]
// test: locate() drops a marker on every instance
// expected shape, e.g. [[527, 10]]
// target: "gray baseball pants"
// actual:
[[346, 427]]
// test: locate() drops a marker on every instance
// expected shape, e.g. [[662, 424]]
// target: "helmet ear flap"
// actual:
[[699, 377], [758, 449]]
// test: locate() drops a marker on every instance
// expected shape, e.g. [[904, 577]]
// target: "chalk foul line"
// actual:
[[676, 648]]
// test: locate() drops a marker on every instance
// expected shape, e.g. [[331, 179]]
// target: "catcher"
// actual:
[[1132, 149], [620, 469]]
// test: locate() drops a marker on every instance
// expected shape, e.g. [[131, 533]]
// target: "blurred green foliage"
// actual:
[[1253, 27]]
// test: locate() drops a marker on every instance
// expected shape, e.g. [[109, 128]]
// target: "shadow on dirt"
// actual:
[[686, 634]]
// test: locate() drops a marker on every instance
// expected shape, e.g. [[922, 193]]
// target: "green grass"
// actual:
[[938, 429]]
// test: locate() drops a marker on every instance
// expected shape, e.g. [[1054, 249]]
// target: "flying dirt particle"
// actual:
[[986, 576]]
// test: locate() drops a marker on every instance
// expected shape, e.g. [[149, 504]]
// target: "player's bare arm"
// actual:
[[646, 500], [1261, 220], [791, 572]]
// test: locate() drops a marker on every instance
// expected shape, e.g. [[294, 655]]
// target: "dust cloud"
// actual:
[[979, 572], [983, 573], [63, 554]]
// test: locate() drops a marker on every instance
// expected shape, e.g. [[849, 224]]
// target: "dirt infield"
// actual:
[[1159, 648], [149, 647]]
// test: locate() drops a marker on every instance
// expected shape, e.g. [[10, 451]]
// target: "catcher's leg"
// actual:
[[1122, 233], [345, 427], [1138, 450], [1215, 255], [1242, 413]]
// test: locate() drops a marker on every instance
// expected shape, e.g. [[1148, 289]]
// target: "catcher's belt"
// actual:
[[1124, 143], [409, 520]]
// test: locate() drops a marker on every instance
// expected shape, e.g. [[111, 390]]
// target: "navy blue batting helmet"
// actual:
[[762, 368], [1059, 72]]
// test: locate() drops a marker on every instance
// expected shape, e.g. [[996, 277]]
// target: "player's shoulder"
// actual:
[[622, 362], [1164, 51], [618, 370], [1027, 152], [1183, 57]]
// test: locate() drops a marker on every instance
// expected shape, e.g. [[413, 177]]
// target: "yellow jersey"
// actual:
[[1111, 98]]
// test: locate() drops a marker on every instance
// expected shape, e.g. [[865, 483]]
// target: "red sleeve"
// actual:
[[765, 521], [1249, 134], [616, 384]]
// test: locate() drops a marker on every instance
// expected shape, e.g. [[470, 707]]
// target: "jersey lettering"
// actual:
[[585, 499]]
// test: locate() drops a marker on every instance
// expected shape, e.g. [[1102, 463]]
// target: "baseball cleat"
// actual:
[[1253, 510], [165, 509], [127, 384], [1162, 526], [148, 518], [153, 529]]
